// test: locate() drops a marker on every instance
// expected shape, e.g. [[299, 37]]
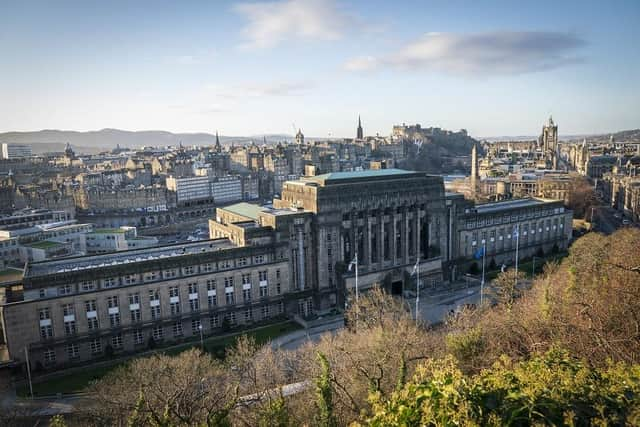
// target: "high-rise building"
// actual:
[[359, 131], [15, 151]]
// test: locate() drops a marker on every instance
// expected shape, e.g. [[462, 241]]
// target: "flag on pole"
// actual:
[[479, 253], [353, 262], [516, 231], [415, 267]]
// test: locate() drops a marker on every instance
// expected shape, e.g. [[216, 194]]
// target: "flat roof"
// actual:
[[109, 230], [340, 177], [248, 210], [89, 262], [511, 204], [10, 275]]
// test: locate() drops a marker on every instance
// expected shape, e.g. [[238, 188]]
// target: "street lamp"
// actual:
[[201, 337]]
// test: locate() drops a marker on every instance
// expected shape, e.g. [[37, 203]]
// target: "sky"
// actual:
[[251, 67]]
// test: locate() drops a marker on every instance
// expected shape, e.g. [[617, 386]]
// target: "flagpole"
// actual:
[[517, 244], [417, 287], [484, 252], [356, 276]]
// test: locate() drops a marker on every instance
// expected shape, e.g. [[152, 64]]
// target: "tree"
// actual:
[[552, 389], [324, 393], [504, 288], [188, 389], [582, 197]]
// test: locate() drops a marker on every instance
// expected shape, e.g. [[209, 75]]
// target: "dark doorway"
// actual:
[[396, 287]]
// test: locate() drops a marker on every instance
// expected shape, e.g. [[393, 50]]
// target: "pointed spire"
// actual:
[[359, 131], [218, 146]]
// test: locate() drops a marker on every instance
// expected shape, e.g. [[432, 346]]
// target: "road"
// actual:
[[605, 220]]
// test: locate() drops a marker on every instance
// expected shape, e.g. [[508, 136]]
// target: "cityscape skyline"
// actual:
[[248, 68]]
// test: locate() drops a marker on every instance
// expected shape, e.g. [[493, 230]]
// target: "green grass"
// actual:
[[44, 244], [109, 231], [77, 381], [527, 266]]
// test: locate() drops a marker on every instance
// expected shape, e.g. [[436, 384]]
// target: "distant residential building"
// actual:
[[190, 189], [15, 151], [226, 189]]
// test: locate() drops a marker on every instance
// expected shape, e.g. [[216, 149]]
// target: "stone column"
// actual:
[[381, 237], [394, 230], [418, 239], [366, 235], [301, 266], [405, 235]]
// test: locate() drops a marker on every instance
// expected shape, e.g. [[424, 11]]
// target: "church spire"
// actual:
[[218, 146], [359, 132]]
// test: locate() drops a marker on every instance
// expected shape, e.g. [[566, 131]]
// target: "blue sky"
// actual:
[[250, 67]]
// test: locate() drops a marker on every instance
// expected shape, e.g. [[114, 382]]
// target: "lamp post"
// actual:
[[201, 337], [484, 253], [26, 355]]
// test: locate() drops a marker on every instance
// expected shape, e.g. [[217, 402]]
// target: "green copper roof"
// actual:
[[359, 175], [245, 209]]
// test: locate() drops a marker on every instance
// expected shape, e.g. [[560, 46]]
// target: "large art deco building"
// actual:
[[286, 258]]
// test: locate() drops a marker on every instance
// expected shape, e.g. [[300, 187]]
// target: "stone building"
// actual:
[[544, 227], [391, 218], [288, 258], [78, 309]]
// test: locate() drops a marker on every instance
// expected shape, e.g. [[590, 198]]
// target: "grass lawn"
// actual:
[[77, 381], [527, 266]]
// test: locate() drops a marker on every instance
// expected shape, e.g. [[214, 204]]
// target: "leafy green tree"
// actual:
[[324, 395], [551, 389]]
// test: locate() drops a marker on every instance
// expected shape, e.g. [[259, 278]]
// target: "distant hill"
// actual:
[[623, 135], [106, 139]]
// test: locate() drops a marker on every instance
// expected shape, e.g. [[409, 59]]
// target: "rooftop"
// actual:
[[370, 174], [247, 210], [125, 257], [10, 275], [511, 204], [109, 230]]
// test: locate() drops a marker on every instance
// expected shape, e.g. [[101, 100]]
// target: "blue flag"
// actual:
[[479, 253]]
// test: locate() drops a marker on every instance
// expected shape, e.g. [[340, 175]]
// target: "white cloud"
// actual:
[[362, 63], [272, 22], [487, 53]]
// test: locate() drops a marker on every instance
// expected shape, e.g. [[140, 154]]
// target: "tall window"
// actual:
[[69, 319], [49, 356], [177, 328], [138, 337], [73, 352], [46, 329], [246, 295], [157, 333], [212, 299], [229, 296], [95, 346], [195, 326]]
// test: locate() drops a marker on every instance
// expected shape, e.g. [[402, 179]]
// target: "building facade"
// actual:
[[287, 258], [71, 310], [15, 151]]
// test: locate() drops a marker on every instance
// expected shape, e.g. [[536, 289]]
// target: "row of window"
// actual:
[[152, 276], [68, 310], [95, 345], [488, 220]]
